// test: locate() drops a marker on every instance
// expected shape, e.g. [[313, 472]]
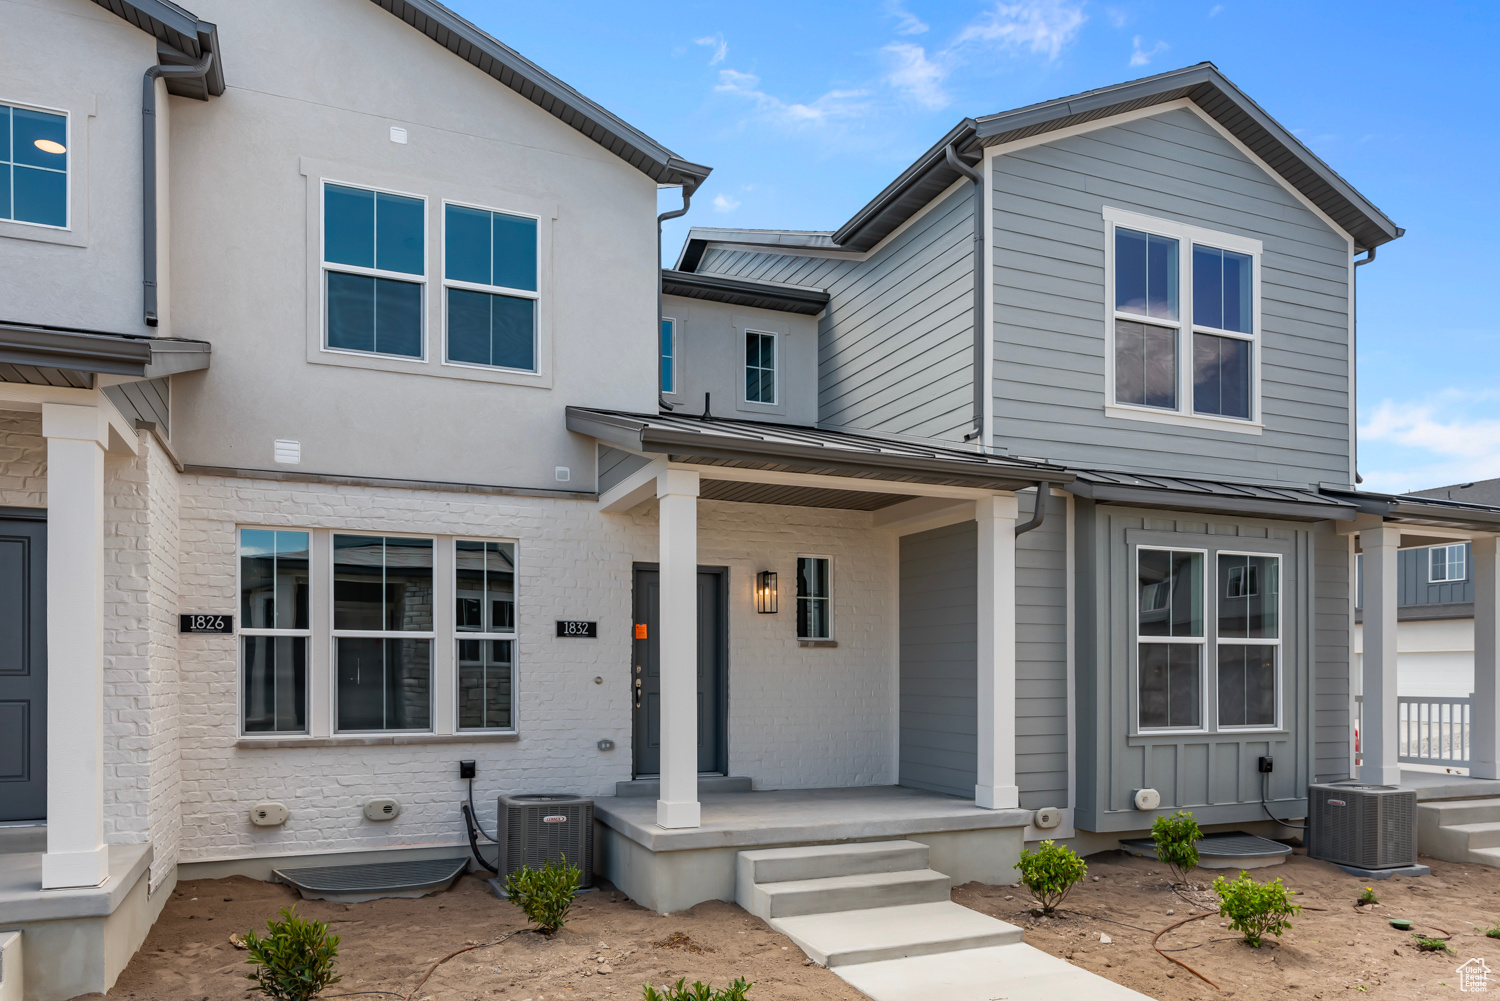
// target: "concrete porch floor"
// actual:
[[1432, 784]]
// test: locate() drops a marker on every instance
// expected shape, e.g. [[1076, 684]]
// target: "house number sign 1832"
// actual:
[[205, 623], [576, 627]]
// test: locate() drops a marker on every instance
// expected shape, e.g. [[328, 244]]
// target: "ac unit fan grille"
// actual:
[[1371, 827]]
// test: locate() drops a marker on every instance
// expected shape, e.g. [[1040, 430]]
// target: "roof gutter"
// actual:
[[194, 71], [950, 154]]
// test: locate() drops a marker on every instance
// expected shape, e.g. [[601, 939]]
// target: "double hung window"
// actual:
[[814, 598], [383, 632], [274, 630], [760, 367], [1447, 563], [490, 281], [1184, 323], [485, 621], [33, 166], [668, 376], [1177, 627], [375, 269]]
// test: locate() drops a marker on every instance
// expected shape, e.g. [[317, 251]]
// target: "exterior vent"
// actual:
[[1367, 826], [534, 829], [286, 451]]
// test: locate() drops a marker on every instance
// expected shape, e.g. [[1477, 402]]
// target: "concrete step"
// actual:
[[708, 785], [778, 865], [847, 893], [1486, 856], [882, 933], [1477, 835], [1014, 972], [1448, 812]]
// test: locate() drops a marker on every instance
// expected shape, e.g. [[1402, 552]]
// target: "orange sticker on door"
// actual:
[[640, 630]]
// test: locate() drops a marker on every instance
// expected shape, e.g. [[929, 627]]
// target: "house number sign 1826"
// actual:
[[576, 627], [205, 623]]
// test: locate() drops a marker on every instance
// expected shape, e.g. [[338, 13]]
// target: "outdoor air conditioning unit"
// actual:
[[536, 828], [1366, 826]]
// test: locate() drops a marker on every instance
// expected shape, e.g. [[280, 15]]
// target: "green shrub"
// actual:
[[1255, 909], [1493, 931], [1050, 872], [1176, 840], [544, 894], [1367, 896], [1426, 944], [295, 957], [698, 992]]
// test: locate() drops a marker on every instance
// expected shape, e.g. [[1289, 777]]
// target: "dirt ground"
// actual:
[[1326, 953], [386, 946]]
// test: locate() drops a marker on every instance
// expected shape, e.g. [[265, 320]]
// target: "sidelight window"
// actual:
[[274, 630], [814, 598], [485, 624]]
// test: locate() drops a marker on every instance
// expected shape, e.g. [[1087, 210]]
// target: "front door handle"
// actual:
[[637, 692]]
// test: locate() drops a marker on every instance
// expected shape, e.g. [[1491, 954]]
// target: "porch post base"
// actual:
[[1374, 773], [62, 870], [997, 797], [677, 815]]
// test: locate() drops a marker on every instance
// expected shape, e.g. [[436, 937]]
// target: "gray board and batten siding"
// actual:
[[896, 344], [1213, 773], [1414, 586], [1049, 308], [938, 656]]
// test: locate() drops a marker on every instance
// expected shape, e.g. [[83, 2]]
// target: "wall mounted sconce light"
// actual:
[[765, 591]]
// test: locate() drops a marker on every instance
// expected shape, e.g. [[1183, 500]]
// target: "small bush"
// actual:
[[1367, 896], [295, 957], [544, 894], [1176, 840], [1050, 872], [1255, 909], [1493, 932], [1427, 944], [698, 992]]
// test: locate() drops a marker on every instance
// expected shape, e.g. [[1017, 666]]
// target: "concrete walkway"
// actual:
[[875, 914]]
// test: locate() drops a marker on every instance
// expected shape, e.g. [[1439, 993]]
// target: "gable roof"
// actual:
[[1203, 84], [547, 92], [179, 34]]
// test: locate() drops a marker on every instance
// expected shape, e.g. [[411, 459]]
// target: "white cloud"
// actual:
[[907, 23], [913, 74], [1143, 57], [1417, 445], [1215, 9], [718, 44], [724, 203], [1042, 26], [833, 106]]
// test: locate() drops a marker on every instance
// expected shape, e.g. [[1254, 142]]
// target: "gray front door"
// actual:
[[23, 669], [713, 666]]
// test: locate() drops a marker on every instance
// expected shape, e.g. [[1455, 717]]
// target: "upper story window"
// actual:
[[1447, 563], [760, 367], [1184, 331], [33, 166], [375, 267], [668, 351], [490, 285]]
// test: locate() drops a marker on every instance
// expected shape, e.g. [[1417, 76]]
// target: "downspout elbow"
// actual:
[[1039, 511], [193, 71]]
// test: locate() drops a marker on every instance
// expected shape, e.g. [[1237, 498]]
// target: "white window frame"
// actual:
[[797, 601], [240, 630], [674, 354], [517, 293], [68, 172], [1186, 236], [514, 636], [335, 634], [775, 400], [1200, 641], [1463, 556], [324, 267], [1277, 642]]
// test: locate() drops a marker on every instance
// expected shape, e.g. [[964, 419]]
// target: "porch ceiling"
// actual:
[[796, 496]]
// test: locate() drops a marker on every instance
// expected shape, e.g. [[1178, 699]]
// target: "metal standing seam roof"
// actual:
[[1202, 83], [1211, 495], [179, 29], [1418, 510], [745, 292], [726, 441]]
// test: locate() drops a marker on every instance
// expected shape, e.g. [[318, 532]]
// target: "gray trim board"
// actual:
[[289, 476], [740, 292]]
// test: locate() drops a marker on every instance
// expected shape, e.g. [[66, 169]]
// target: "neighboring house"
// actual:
[[354, 431], [1435, 612]]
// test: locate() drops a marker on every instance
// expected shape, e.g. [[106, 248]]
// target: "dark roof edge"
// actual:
[[1216, 503], [93, 351], [1421, 510], [509, 67], [960, 137], [179, 28], [744, 292]]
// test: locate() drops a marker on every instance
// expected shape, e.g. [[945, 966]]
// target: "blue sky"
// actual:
[[806, 110]]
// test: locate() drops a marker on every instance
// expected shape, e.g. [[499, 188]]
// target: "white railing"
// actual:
[[1432, 730]]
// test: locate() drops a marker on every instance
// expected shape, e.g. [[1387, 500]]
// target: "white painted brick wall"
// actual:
[[23, 460], [799, 717]]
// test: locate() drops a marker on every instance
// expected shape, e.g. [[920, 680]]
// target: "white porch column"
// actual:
[[76, 439], [1484, 755], [677, 493], [996, 786], [1378, 730]]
